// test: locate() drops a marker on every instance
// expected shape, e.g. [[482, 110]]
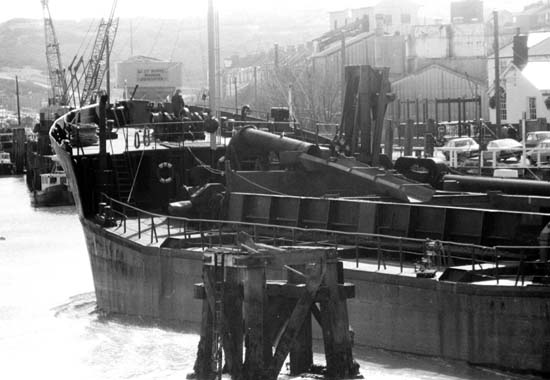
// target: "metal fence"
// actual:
[[402, 251]]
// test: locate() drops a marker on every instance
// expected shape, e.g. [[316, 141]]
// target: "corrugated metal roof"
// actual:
[[437, 67]]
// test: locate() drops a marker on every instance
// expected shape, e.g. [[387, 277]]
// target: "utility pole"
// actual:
[[211, 60], [497, 75], [212, 73], [108, 61], [236, 100], [343, 73], [255, 86], [17, 95]]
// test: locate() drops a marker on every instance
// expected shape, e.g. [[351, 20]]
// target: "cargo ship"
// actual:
[[454, 275]]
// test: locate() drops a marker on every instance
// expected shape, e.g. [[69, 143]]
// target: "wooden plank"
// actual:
[[301, 310]]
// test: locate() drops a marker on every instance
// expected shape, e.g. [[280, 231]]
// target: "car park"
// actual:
[[540, 153], [464, 146], [505, 149], [535, 137]]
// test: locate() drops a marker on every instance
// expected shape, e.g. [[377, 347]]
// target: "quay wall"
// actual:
[[498, 326]]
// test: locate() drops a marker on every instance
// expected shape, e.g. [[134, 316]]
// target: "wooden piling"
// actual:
[[275, 314], [258, 351], [301, 354], [336, 329]]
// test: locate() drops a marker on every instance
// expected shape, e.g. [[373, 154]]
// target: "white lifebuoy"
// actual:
[[165, 172]]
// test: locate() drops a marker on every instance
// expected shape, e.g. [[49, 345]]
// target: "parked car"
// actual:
[[505, 148], [540, 152], [464, 146], [533, 138]]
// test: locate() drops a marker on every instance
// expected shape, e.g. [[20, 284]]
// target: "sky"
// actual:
[[80, 9]]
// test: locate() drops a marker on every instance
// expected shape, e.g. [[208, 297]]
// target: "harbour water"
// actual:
[[49, 328]]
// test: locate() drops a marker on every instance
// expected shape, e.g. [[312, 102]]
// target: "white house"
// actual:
[[538, 44], [525, 91]]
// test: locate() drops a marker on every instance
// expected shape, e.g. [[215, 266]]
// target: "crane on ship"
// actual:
[[77, 85], [58, 80], [98, 64]]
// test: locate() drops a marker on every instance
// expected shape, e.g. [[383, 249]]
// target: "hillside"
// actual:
[[22, 40]]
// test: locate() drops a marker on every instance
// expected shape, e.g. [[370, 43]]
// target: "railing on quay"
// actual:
[[203, 233]]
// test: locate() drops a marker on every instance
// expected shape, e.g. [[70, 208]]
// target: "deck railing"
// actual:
[[206, 233], [152, 135]]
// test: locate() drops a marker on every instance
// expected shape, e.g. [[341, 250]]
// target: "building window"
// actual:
[[405, 18], [532, 104], [387, 20], [503, 113]]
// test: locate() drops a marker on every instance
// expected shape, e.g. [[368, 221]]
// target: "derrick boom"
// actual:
[[56, 72], [97, 64]]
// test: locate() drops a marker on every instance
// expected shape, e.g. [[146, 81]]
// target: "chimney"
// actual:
[[521, 51]]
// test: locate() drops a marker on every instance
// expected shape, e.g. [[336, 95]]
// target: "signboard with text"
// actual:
[[149, 74]]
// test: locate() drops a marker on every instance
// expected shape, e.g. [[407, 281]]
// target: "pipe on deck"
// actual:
[[251, 141], [395, 186], [506, 185]]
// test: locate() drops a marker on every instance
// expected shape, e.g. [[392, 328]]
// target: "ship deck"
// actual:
[[154, 232], [132, 140]]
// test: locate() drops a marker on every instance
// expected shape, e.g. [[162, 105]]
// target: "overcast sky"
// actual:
[[78, 9]]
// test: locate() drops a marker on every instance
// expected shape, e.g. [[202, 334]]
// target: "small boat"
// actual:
[[54, 189], [6, 166]]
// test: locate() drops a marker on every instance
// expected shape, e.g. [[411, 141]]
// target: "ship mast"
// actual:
[[212, 90], [213, 67], [497, 77]]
